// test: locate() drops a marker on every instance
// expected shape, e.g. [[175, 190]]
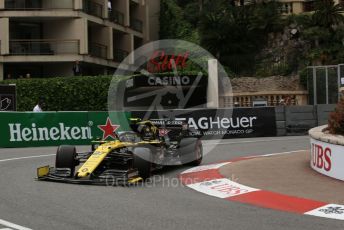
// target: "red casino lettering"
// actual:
[[162, 62]]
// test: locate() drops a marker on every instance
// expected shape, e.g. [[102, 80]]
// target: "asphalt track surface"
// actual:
[[46, 205]]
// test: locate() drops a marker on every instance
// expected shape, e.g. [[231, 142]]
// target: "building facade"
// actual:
[[300, 6], [44, 38], [290, 6]]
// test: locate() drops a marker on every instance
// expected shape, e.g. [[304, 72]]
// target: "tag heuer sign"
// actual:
[[8, 98]]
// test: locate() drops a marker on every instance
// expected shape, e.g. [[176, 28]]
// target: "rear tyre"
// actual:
[[191, 151], [143, 162], [198, 153], [66, 158]]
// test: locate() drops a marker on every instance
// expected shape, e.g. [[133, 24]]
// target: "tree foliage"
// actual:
[[324, 32], [238, 35], [235, 35], [336, 120], [328, 14], [173, 25]]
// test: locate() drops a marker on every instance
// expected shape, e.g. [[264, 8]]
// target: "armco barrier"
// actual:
[[297, 120], [29, 129], [323, 112], [280, 121]]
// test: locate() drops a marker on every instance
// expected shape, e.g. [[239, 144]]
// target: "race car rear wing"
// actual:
[[167, 123], [162, 123]]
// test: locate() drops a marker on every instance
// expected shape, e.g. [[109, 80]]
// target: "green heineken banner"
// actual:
[[56, 128], [104, 124]]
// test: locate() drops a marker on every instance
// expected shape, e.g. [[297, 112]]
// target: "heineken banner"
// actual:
[[56, 128], [223, 123]]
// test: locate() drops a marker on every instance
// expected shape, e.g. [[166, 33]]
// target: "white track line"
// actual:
[[271, 155], [28, 157], [256, 141], [289, 152], [11, 225], [225, 143]]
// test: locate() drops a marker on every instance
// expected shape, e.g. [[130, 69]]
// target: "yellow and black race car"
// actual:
[[130, 158]]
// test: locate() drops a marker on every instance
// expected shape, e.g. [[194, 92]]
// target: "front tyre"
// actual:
[[143, 162], [66, 158]]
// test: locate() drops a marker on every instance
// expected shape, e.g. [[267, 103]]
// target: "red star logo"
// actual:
[[108, 129]]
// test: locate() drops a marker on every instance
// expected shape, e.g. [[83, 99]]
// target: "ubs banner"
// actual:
[[8, 98], [212, 123]]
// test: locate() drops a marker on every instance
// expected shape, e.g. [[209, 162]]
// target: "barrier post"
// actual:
[[213, 84]]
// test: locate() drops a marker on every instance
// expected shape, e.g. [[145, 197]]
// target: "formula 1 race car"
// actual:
[[130, 158]]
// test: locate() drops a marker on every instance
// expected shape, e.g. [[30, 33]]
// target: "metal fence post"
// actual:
[[315, 101], [326, 78], [339, 80]]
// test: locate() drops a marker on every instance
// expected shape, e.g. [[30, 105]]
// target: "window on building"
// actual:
[[23, 4], [286, 8]]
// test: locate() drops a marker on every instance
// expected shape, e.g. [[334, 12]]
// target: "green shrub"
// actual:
[[336, 120], [63, 93], [267, 70], [69, 93], [304, 77]]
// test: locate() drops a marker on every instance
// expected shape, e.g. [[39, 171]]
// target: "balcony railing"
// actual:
[[272, 98], [93, 8], [37, 5], [98, 50], [116, 17], [43, 47], [119, 55], [136, 24]]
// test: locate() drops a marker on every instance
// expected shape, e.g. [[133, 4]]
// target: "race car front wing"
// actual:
[[109, 177]]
